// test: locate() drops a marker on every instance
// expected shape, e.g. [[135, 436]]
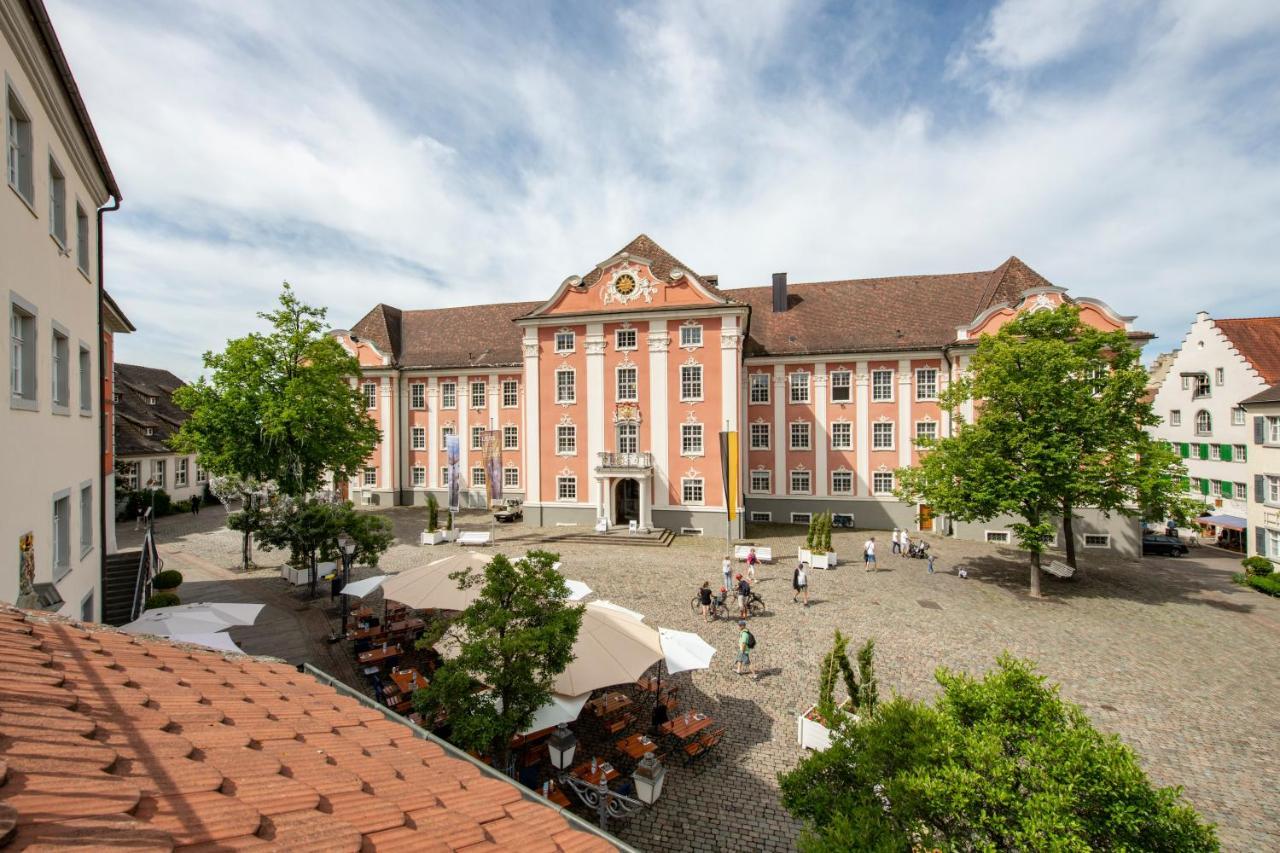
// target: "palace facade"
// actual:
[[610, 396]]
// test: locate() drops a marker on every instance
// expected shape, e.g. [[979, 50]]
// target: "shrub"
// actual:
[[168, 579], [1269, 584], [182, 506], [433, 513], [162, 599], [1257, 565]]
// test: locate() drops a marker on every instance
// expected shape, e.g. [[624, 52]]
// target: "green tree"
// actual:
[[1062, 425], [516, 637], [1001, 763], [310, 528], [279, 406]]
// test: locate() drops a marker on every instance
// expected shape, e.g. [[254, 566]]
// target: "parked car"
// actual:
[[1169, 546], [508, 512]]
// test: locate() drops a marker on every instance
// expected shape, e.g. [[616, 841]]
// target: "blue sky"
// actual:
[[427, 155]]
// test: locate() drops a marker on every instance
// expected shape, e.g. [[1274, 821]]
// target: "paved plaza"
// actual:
[[1167, 653]]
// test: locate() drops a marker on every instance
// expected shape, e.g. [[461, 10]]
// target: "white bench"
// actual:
[[763, 554], [1059, 569], [475, 537]]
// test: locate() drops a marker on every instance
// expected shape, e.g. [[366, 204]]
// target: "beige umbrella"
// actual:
[[430, 586], [612, 648]]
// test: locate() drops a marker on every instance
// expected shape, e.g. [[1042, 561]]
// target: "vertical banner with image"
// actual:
[[493, 464], [452, 457], [729, 471]]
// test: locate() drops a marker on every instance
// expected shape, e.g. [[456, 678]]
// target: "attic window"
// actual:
[[149, 431], [151, 401]]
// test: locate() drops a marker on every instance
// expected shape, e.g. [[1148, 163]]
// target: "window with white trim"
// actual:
[[760, 436], [801, 435], [511, 478], [201, 475], [478, 476], [841, 482], [628, 434], [1215, 488], [1219, 376], [691, 439], [1237, 416], [86, 380], [566, 488], [20, 149], [566, 386], [478, 395], [801, 517], [882, 483], [444, 476], [1175, 417], [758, 517], [417, 395], [882, 435], [180, 472], [627, 384], [999, 537], [801, 482], [1241, 491], [1273, 492], [510, 437], [82, 239], [926, 431], [690, 382], [761, 482], [132, 473], [1097, 540], [86, 519], [1239, 453], [565, 341], [445, 432], [882, 385], [418, 476], [371, 476], [566, 439], [1273, 429], [477, 438], [370, 395], [842, 435], [841, 386], [61, 370], [760, 383], [926, 383], [691, 490], [625, 339], [799, 387], [1272, 543], [510, 393], [1201, 388], [22, 354], [691, 335], [61, 536], [159, 473], [1215, 452], [418, 438], [448, 395], [1204, 423], [57, 203]]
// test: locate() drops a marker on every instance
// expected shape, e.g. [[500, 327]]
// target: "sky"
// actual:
[[426, 155]]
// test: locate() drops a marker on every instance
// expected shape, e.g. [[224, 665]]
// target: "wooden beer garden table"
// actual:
[[408, 680], [604, 769], [637, 746], [678, 727], [368, 633], [555, 795], [610, 703], [379, 655]]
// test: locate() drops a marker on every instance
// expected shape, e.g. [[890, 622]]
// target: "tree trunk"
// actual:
[[1035, 574], [246, 553], [1068, 531]]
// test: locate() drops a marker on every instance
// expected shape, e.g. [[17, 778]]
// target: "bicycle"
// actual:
[[755, 604], [717, 610]]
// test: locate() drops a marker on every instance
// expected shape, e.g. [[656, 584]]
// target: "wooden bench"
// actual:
[[1059, 569], [475, 537], [620, 723], [763, 554]]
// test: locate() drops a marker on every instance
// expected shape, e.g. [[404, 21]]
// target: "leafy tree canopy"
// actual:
[[1001, 763]]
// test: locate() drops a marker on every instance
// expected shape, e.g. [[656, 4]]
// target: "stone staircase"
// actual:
[[119, 585], [659, 537]]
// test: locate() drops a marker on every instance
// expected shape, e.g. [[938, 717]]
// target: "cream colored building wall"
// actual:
[[1264, 470], [147, 470], [43, 453]]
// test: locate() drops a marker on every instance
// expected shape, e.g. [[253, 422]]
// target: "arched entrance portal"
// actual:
[[626, 501]]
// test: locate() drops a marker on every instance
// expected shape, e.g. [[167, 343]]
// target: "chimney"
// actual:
[[779, 292], [711, 280]]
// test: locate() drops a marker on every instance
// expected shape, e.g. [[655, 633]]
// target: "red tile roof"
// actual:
[[1258, 340], [109, 740]]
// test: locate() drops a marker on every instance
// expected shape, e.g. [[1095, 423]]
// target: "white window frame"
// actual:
[[690, 335], [842, 474], [60, 369], [691, 385], [417, 395], [1097, 540], [82, 239], [1273, 490], [1237, 416], [757, 382], [20, 148], [885, 428], [996, 537], [692, 439], [887, 385], [370, 391], [510, 437], [417, 438], [24, 392], [695, 486], [132, 475], [1273, 544], [841, 380], [1175, 417], [933, 425], [793, 434], [1272, 435], [618, 343], [566, 440], [793, 489], [448, 395], [57, 203], [510, 393], [444, 476], [511, 478], [761, 436], [479, 391], [800, 382], [565, 341], [370, 479], [566, 393], [180, 471], [758, 517], [479, 477], [418, 476], [626, 390], [160, 473], [801, 517], [86, 518], [838, 441], [445, 432], [877, 477], [923, 387], [1219, 376], [1215, 488], [1202, 389], [571, 492], [477, 437], [1215, 453], [1239, 453], [768, 482], [1207, 417], [61, 551], [627, 435]]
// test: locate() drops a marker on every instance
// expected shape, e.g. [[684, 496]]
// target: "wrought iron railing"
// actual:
[[609, 459], [149, 565]]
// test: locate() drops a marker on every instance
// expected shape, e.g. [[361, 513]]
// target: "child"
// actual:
[[752, 560]]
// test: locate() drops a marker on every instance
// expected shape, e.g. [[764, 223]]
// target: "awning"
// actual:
[[1231, 522]]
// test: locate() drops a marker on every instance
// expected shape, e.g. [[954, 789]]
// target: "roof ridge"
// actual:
[[791, 284]]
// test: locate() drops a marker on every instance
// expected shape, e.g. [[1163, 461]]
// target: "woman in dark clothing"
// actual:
[[704, 599]]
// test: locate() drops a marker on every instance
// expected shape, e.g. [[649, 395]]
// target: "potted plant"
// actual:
[[449, 533], [805, 552], [814, 726], [821, 556], [432, 535], [167, 581]]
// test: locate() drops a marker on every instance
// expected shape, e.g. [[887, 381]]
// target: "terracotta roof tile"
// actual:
[[519, 836], [312, 830], [455, 829], [1258, 340], [39, 797], [402, 839], [172, 776], [572, 841], [196, 818], [231, 845], [108, 832], [365, 812], [273, 795]]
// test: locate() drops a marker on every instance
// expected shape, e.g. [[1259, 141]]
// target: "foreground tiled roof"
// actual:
[[1258, 340], [112, 741], [133, 415]]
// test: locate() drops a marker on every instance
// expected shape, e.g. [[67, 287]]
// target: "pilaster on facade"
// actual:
[[966, 408], [822, 437], [730, 360], [944, 382], [531, 446], [464, 430], [433, 433], [779, 435], [494, 388], [385, 417], [659, 343], [905, 425], [594, 347], [862, 397]]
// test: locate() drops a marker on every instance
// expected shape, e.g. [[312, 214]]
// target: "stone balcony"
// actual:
[[625, 462]]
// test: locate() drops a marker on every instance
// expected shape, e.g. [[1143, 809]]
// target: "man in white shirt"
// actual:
[[897, 547], [869, 554]]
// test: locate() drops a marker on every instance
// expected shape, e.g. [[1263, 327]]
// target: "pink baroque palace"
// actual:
[[610, 395]]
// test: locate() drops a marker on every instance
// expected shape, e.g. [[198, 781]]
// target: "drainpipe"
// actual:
[[103, 426]]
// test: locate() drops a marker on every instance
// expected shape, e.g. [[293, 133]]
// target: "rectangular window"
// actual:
[[1241, 491], [20, 148], [477, 395], [691, 382], [759, 436], [691, 439], [841, 386], [760, 388], [566, 439], [761, 517], [478, 476], [1215, 488], [801, 517], [926, 431], [1214, 453], [691, 336], [761, 482], [86, 519], [510, 437], [627, 386], [882, 385], [370, 395], [418, 476], [417, 395], [477, 438], [566, 488], [1097, 540], [628, 438], [61, 536], [132, 472], [22, 354], [1272, 543], [159, 474], [180, 473], [1241, 453], [445, 432], [1202, 388], [624, 339], [1237, 416], [841, 482], [61, 370], [82, 239], [800, 387], [371, 476], [510, 393], [691, 490], [801, 438], [998, 536], [801, 482], [57, 204], [444, 476], [418, 438], [842, 436], [1175, 417], [201, 476], [1273, 430], [86, 380], [565, 341], [882, 435], [511, 478], [566, 389], [448, 395], [927, 383], [1219, 376], [1273, 490], [882, 483]]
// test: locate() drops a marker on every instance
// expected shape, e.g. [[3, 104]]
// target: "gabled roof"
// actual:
[[661, 262], [1258, 340], [112, 740], [113, 317], [1269, 395], [134, 414]]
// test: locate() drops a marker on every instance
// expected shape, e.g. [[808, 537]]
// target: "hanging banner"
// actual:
[[729, 471], [452, 456], [493, 465]]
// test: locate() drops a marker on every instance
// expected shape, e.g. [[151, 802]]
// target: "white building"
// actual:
[[145, 420], [1264, 466], [1219, 364]]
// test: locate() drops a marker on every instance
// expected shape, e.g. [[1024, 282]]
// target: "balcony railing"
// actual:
[[626, 460]]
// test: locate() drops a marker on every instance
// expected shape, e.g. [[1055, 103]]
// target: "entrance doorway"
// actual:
[[626, 500], [926, 517]]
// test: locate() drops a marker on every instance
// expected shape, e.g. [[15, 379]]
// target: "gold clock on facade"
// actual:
[[624, 285]]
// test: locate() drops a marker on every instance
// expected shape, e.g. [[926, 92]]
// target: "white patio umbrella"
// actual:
[[229, 612], [612, 648], [560, 709], [430, 585], [682, 650], [360, 589], [577, 590], [217, 640], [168, 624], [619, 609]]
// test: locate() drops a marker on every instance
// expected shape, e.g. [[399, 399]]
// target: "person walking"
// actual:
[[195, 504], [800, 583], [704, 600], [726, 568], [897, 544], [752, 562], [744, 595], [869, 554], [746, 642]]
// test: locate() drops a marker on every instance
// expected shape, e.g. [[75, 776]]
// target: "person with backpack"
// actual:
[[744, 596], [746, 642], [800, 583]]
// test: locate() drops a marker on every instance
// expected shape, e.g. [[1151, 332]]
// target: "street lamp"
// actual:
[[347, 548], [648, 779]]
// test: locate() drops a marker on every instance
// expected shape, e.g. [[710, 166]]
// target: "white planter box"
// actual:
[[812, 734], [449, 535], [432, 537], [804, 556], [297, 577], [824, 561]]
